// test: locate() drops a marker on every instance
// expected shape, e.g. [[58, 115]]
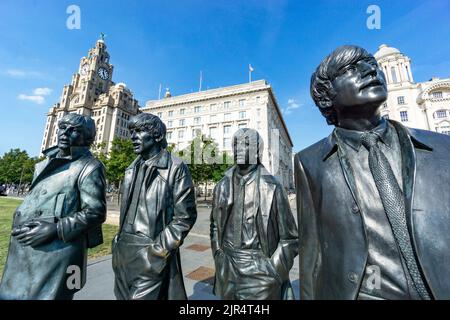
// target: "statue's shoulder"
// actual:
[[316, 151]]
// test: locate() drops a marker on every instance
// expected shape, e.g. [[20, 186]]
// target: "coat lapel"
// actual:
[[266, 194], [126, 188], [407, 147]]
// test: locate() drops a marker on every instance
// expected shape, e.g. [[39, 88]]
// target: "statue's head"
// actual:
[[75, 130], [348, 81], [247, 147], [148, 133]]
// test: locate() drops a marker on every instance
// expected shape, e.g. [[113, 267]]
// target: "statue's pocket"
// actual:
[[59, 205]]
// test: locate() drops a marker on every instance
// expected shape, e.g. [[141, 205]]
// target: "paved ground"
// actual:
[[196, 260]]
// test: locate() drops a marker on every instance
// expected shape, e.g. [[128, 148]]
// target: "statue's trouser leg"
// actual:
[[135, 279], [251, 276]]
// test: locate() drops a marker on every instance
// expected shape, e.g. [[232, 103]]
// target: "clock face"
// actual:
[[84, 69], [103, 73]]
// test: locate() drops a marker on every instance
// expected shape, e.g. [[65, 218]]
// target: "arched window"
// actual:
[[394, 75]]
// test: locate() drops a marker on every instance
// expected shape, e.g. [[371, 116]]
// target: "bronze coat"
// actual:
[[170, 201], [333, 247], [275, 224], [72, 193]]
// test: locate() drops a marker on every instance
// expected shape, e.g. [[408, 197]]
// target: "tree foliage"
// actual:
[[119, 158], [206, 163], [17, 167]]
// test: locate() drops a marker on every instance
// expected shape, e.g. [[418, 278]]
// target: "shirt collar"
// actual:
[[353, 137], [249, 177]]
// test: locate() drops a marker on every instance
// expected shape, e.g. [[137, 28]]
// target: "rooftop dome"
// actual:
[[384, 50]]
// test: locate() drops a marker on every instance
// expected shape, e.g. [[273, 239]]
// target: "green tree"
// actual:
[[120, 157], [17, 167], [206, 163]]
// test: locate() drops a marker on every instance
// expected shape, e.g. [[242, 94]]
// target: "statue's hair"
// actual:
[[321, 87], [250, 133], [81, 121], [152, 124]]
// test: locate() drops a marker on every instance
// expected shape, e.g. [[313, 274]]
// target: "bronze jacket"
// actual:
[[275, 223], [70, 192], [170, 201], [333, 248]]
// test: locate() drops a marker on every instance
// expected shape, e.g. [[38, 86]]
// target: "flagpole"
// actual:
[[159, 93], [201, 79]]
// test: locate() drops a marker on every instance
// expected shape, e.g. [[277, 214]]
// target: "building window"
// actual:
[[227, 143], [394, 75], [171, 113], [242, 114], [258, 112], [197, 120], [170, 123], [197, 109], [181, 122], [241, 103], [407, 73], [212, 132], [213, 107], [401, 100], [169, 135], [440, 114], [182, 111], [404, 116], [181, 134], [226, 129], [226, 105], [159, 114], [258, 98], [242, 125], [227, 117], [437, 95]]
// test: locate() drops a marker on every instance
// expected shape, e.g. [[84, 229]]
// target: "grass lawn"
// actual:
[[7, 208]]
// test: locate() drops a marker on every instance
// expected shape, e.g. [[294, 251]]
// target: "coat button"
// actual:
[[355, 208], [352, 277]]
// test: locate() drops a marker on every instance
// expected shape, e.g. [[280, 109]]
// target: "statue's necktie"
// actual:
[[238, 214], [394, 206]]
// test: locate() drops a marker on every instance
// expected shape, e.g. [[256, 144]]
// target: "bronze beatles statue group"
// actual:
[[372, 201]]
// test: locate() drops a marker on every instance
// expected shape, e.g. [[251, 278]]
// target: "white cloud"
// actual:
[[33, 98], [292, 105], [42, 91], [18, 73]]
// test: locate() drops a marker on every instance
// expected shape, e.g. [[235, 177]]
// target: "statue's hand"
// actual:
[[40, 232]]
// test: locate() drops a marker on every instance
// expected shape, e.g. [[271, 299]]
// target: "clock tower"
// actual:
[[93, 93]]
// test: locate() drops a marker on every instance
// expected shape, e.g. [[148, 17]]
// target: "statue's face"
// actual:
[[245, 149], [142, 141], [359, 85], [69, 136]]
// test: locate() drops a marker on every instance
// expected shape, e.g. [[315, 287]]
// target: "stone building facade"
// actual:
[[422, 105], [92, 92], [219, 113]]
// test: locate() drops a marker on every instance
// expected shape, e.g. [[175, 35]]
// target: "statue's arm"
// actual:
[[287, 250], [92, 190], [184, 217], [309, 247], [213, 223]]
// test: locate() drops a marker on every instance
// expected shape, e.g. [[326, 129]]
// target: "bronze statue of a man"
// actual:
[[253, 232], [59, 219], [372, 198], [157, 212]]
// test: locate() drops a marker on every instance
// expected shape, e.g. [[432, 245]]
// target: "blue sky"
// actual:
[[169, 42]]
